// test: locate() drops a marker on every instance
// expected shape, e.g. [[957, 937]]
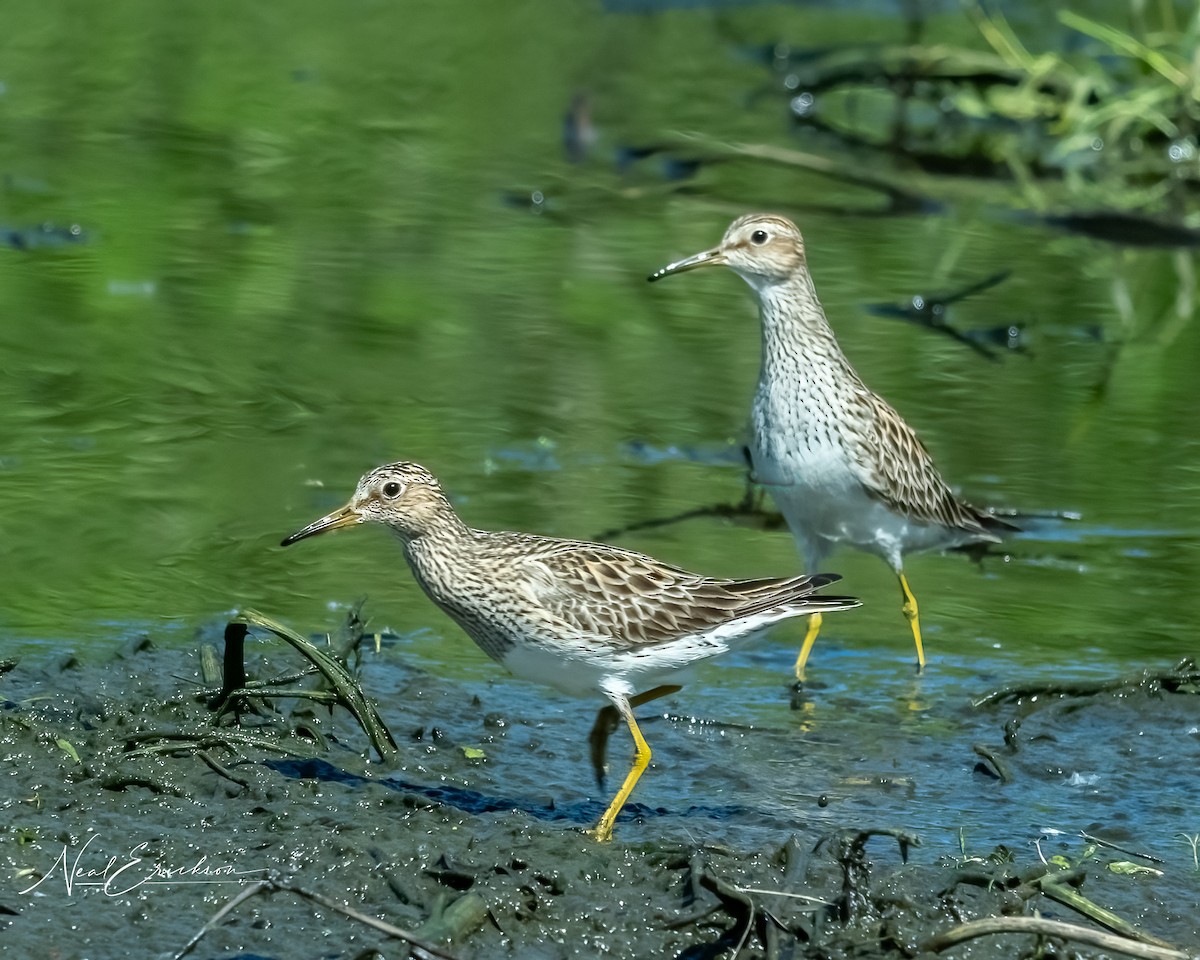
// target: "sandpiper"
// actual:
[[841, 464], [585, 618]]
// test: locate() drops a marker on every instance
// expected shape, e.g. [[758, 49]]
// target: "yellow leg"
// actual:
[[910, 612], [641, 759], [606, 722], [814, 627]]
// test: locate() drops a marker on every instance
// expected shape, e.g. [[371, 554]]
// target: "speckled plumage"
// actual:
[[841, 464], [582, 617]]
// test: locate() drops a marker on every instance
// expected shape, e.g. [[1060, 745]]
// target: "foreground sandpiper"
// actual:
[[842, 465], [584, 618]]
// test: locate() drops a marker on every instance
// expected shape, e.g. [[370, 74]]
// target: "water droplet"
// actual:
[[1181, 151], [802, 104]]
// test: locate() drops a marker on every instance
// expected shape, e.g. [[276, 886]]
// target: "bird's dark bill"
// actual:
[[709, 258], [343, 517]]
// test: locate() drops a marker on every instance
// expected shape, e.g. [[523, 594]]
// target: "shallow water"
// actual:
[[278, 290], [308, 245]]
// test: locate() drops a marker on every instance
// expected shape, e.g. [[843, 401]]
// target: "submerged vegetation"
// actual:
[[1113, 121]]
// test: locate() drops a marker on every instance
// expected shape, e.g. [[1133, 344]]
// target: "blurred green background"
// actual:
[[316, 238]]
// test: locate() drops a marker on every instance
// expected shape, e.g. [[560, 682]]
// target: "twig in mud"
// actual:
[[272, 885], [256, 685], [222, 770], [795, 859], [210, 665], [735, 901], [264, 692], [351, 635], [738, 904], [1023, 886], [209, 738], [998, 765], [1048, 928], [348, 691], [372, 922], [1113, 846], [232, 904], [817, 901], [1052, 886], [234, 675], [119, 781]]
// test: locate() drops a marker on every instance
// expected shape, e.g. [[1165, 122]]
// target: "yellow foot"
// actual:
[[623, 705], [601, 832]]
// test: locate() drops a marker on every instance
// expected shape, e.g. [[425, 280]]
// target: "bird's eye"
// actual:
[[392, 489], [758, 237]]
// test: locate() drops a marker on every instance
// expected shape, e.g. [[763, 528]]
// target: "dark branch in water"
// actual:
[[1120, 849], [929, 311], [998, 765], [749, 510], [1182, 678]]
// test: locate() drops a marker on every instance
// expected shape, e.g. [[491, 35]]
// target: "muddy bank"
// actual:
[[823, 831]]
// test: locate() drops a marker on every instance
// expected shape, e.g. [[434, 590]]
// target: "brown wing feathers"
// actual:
[[635, 600], [902, 474]]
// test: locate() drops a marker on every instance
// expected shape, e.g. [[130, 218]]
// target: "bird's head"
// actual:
[[764, 249], [403, 495]]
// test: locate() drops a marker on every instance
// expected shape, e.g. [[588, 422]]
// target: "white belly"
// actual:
[[599, 666], [825, 504], [584, 676]]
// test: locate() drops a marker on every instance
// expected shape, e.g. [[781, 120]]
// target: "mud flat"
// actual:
[[147, 814]]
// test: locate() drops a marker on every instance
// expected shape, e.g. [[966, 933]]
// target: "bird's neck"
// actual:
[[443, 558], [434, 528], [798, 345]]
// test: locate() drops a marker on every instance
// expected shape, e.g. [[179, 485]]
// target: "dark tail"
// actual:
[[819, 603], [994, 524]]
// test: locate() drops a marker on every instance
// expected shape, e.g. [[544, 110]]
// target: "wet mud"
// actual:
[[144, 814]]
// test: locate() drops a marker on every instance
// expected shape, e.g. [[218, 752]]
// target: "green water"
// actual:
[[309, 249]]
